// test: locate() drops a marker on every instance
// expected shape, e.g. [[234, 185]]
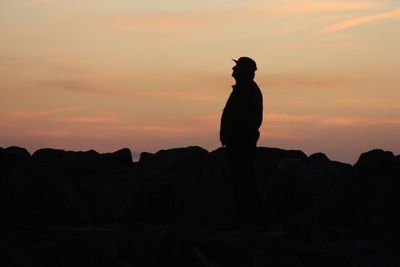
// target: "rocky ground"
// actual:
[[174, 208]]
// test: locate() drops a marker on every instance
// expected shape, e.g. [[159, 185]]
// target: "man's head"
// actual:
[[244, 69]]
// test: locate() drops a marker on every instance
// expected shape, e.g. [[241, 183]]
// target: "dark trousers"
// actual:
[[242, 174]]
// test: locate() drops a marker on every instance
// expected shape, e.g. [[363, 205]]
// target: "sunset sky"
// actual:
[[151, 75]]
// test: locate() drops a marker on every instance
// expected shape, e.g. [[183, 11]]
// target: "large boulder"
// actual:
[[321, 187], [318, 158], [17, 152], [79, 162], [144, 156], [69, 162], [377, 173], [293, 185], [376, 159], [97, 188], [12, 157], [277, 154], [30, 194], [186, 186], [160, 175], [204, 197], [123, 156]]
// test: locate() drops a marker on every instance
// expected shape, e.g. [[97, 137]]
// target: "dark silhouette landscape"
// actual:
[[176, 208]]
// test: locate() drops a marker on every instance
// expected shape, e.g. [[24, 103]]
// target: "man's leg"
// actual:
[[241, 165]]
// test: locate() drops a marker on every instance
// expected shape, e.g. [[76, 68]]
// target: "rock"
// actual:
[[377, 175], [161, 175], [299, 186], [317, 212], [273, 168], [123, 156], [12, 157], [30, 194], [18, 152], [165, 160], [145, 156], [49, 154], [376, 159], [82, 163], [70, 162], [318, 157], [218, 151], [144, 245], [276, 154], [321, 188], [96, 188], [204, 196], [190, 188]]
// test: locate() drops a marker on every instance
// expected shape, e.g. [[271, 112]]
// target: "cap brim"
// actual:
[[235, 60]]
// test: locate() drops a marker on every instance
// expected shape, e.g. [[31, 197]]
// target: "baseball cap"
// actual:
[[246, 63]]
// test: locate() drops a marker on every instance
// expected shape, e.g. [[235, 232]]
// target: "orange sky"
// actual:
[[153, 75]]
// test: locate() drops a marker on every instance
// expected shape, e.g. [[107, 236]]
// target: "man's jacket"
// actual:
[[242, 116]]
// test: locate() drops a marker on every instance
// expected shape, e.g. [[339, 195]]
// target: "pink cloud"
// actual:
[[357, 121], [180, 94], [92, 119], [50, 133], [288, 118], [307, 6], [73, 86], [350, 23], [33, 114], [271, 133], [177, 20], [342, 121], [219, 15], [153, 129], [290, 80], [327, 121]]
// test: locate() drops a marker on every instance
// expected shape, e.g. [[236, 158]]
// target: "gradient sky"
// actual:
[[151, 75]]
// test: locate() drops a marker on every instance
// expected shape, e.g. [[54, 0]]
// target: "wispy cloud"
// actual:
[[73, 86], [156, 130], [179, 94], [50, 133], [216, 21], [391, 105], [329, 121], [312, 6], [350, 23], [219, 14], [291, 80], [289, 118], [175, 20], [41, 2], [282, 132], [92, 119], [55, 5], [61, 119], [285, 127], [31, 75], [32, 114]]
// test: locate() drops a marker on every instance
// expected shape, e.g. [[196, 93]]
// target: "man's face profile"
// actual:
[[235, 71], [241, 73]]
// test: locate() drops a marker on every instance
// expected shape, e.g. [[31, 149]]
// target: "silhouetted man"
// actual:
[[240, 121]]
